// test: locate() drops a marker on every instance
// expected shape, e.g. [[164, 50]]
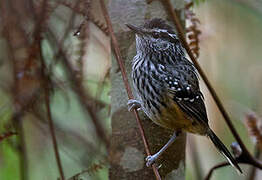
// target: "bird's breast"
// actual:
[[160, 108]]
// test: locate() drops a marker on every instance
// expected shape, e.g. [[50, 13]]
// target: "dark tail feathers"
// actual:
[[223, 150]]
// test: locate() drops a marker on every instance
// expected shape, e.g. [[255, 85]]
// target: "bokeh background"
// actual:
[[230, 53]]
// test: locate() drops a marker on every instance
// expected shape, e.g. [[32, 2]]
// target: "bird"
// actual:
[[166, 86]]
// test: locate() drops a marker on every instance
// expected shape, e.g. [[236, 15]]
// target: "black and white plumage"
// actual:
[[166, 85]]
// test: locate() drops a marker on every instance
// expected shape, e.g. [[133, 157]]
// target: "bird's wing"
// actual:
[[183, 88]]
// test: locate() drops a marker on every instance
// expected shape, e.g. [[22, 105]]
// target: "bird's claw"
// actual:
[[150, 160], [133, 104]]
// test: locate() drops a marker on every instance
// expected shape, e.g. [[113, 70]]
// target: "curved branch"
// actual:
[[49, 115], [240, 160], [223, 164]]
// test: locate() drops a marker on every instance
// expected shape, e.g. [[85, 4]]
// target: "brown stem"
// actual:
[[52, 131], [214, 168], [242, 159], [124, 76], [49, 114], [7, 135]]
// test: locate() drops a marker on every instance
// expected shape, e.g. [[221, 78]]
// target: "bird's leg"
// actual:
[[133, 104], [151, 159]]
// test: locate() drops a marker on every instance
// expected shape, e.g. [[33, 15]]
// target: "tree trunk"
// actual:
[[127, 152]]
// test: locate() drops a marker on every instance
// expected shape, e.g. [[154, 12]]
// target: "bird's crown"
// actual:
[[157, 29], [158, 24]]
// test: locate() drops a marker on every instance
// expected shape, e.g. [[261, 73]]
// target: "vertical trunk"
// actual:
[[127, 152]]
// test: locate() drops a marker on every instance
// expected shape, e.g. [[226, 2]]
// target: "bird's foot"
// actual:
[[133, 104], [151, 159]]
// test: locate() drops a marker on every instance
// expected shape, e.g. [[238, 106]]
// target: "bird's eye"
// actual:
[[155, 35]]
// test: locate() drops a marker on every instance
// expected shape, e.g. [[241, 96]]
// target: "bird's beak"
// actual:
[[135, 29]]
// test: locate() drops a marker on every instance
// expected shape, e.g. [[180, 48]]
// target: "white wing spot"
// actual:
[[161, 67]]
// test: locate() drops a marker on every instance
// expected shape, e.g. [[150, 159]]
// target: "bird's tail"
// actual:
[[223, 150]]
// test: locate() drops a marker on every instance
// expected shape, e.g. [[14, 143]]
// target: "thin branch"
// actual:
[[214, 168], [94, 168], [239, 160], [49, 116], [124, 76], [3, 136], [88, 17], [52, 131]]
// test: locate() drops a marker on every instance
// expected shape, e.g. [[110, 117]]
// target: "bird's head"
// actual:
[[154, 35]]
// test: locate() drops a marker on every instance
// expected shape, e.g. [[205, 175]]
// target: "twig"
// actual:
[[52, 131], [239, 160], [214, 168], [88, 17], [84, 39], [91, 170], [3, 136], [124, 76], [49, 115]]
